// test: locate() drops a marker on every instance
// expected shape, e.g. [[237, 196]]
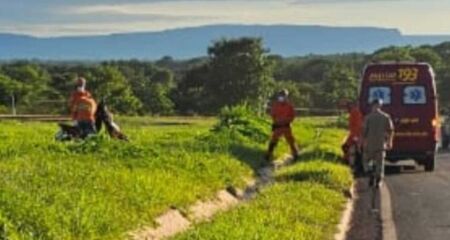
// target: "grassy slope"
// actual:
[[104, 188], [304, 203]]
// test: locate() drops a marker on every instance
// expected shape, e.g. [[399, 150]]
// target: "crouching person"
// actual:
[[83, 108], [352, 144], [84, 115]]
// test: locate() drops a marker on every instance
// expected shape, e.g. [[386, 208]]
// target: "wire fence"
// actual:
[[36, 107], [50, 110]]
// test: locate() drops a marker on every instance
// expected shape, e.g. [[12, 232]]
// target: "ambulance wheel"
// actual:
[[429, 164]]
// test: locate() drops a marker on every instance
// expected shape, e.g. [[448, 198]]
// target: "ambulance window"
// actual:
[[383, 93], [414, 95]]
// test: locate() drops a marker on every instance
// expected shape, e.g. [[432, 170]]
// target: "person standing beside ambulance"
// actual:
[[378, 135], [355, 122]]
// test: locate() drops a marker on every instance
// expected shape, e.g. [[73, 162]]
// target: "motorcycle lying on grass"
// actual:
[[103, 116]]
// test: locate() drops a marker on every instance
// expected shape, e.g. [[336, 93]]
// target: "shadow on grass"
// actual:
[[317, 176], [251, 156], [160, 123], [319, 154], [322, 176], [254, 157]]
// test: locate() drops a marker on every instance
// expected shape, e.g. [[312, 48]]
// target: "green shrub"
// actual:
[[245, 121], [332, 175]]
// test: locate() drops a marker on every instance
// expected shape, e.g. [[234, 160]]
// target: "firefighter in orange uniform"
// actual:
[[355, 123], [79, 92], [283, 114], [83, 108]]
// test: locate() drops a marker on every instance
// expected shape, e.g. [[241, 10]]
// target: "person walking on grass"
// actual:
[[283, 114], [377, 134]]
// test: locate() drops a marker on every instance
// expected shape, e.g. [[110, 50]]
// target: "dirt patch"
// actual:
[[203, 211], [169, 224]]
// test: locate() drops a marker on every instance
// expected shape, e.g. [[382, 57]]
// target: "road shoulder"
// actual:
[[365, 223], [387, 219]]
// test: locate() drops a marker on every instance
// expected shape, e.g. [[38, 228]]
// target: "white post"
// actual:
[[13, 105]]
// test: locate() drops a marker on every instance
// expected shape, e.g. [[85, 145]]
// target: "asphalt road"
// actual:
[[420, 201]]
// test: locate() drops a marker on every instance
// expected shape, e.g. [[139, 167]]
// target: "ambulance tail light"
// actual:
[[435, 123], [436, 133]]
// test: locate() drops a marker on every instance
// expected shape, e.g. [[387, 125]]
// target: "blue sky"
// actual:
[[87, 17]]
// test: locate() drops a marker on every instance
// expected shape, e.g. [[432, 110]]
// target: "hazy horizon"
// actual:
[[47, 18], [217, 25]]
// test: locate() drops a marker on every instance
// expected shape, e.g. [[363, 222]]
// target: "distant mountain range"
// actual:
[[285, 40]]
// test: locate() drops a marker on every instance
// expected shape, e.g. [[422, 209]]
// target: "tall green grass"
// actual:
[[294, 210], [304, 203], [100, 189]]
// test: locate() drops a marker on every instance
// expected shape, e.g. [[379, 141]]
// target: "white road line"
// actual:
[[344, 224], [389, 230]]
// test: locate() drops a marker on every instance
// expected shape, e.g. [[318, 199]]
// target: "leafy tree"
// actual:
[[443, 83], [107, 82], [191, 95], [241, 72], [428, 55], [159, 103], [341, 83], [29, 84], [235, 71], [8, 87], [150, 84], [393, 54]]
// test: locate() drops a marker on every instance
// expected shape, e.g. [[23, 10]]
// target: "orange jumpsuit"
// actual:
[[74, 99], [84, 109], [355, 123], [283, 114]]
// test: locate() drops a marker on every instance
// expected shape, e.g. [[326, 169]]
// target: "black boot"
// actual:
[[269, 154], [295, 156], [294, 152]]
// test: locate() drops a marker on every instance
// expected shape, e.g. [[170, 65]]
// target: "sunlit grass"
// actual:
[[104, 188], [305, 202], [293, 210], [101, 189]]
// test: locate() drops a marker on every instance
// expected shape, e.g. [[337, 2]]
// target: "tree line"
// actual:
[[235, 71]]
